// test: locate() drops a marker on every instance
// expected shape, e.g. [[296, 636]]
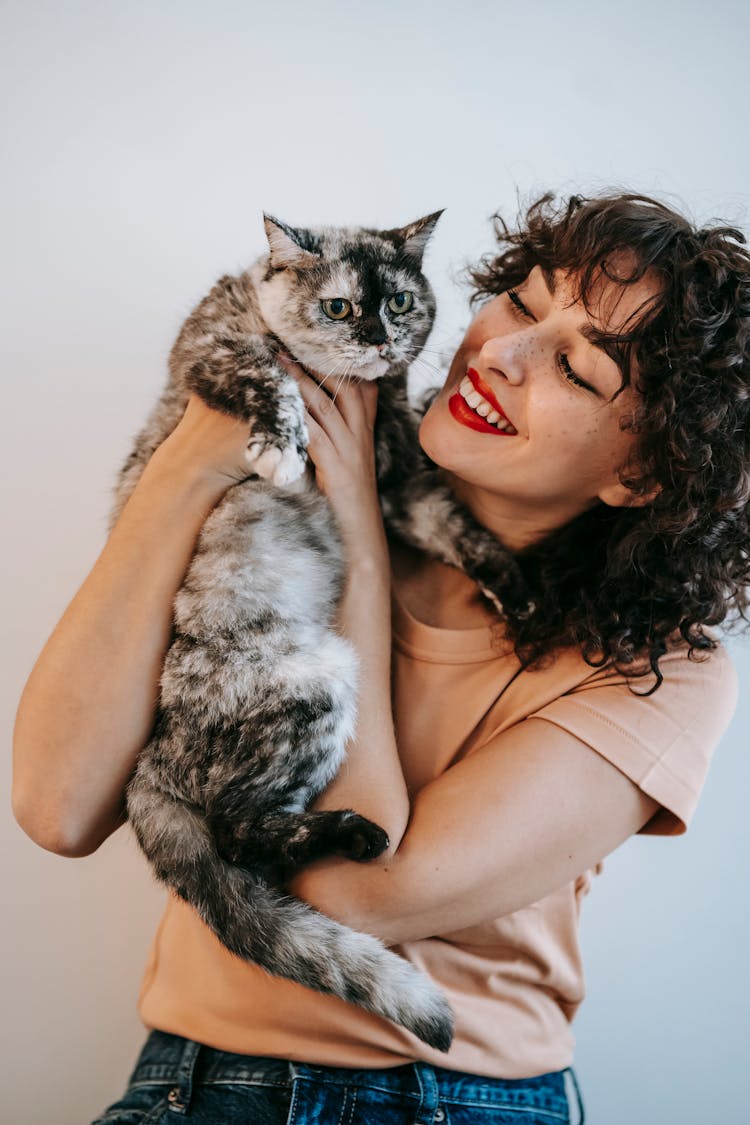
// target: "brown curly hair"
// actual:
[[624, 584]]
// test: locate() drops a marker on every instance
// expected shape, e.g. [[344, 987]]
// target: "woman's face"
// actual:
[[524, 356]]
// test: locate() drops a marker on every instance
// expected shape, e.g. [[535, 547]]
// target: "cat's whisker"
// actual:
[[336, 373], [433, 368], [436, 350], [344, 377], [333, 373], [329, 374], [412, 353], [419, 354], [440, 352], [436, 363], [348, 366]]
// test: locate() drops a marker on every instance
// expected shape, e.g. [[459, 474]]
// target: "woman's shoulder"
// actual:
[[663, 735], [686, 678], [682, 670]]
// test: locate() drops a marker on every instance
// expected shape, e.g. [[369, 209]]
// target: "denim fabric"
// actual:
[[176, 1079]]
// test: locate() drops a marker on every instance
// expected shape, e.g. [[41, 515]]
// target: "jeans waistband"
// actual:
[[180, 1063]]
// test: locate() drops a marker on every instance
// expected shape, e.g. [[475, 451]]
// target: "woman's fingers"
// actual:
[[315, 398], [319, 445], [356, 400], [349, 410], [369, 399], [356, 403]]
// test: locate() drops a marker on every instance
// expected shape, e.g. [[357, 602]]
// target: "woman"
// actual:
[[595, 419]]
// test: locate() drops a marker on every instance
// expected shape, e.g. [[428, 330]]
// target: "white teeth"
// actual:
[[482, 407]]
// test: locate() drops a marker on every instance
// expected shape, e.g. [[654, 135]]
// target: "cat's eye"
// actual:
[[337, 308], [401, 302]]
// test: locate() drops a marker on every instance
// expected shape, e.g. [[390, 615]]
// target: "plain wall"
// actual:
[[141, 142]]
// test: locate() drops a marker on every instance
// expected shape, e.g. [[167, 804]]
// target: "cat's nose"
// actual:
[[373, 331]]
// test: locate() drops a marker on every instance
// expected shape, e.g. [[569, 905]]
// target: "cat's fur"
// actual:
[[258, 693]]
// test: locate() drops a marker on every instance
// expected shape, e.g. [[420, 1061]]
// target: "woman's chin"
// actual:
[[427, 437], [439, 436]]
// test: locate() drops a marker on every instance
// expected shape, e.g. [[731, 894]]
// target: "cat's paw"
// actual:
[[279, 466], [277, 449], [360, 839]]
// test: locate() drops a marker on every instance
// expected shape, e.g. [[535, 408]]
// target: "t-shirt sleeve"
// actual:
[[663, 742]]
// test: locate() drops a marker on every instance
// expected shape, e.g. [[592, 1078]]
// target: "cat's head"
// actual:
[[348, 301]]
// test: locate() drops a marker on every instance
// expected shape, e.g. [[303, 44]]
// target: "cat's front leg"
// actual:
[[282, 842], [239, 375]]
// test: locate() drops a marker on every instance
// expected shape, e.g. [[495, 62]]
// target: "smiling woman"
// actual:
[[570, 441], [596, 420], [611, 333]]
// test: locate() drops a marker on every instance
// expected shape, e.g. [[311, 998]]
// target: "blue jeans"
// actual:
[[176, 1079]]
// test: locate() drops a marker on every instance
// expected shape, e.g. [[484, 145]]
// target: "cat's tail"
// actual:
[[280, 933]]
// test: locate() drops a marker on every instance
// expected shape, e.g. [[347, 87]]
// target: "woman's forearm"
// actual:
[[371, 780], [88, 706], [341, 447]]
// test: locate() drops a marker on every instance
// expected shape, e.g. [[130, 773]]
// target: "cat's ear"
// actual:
[[290, 248], [413, 238]]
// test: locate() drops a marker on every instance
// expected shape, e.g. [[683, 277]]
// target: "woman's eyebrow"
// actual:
[[588, 331]]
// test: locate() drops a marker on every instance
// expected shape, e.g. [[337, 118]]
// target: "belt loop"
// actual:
[[180, 1096], [429, 1094], [569, 1078]]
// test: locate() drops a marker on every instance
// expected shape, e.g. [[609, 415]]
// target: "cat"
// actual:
[[258, 693]]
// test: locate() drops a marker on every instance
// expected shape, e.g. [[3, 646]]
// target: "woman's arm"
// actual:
[[496, 832], [341, 447], [89, 703]]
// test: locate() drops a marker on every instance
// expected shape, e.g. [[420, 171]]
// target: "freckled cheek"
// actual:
[[576, 447], [566, 433]]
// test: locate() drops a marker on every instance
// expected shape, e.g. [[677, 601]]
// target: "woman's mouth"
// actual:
[[472, 409]]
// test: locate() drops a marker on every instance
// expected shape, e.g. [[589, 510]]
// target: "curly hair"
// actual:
[[626, 584]]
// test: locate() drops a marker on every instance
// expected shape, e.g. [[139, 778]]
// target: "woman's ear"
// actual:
[[618, 496]]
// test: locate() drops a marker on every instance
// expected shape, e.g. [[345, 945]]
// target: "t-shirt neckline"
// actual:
[[438, 645]]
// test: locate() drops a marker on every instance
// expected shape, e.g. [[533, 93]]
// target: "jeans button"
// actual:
[[173, 1097], [439, 1114]]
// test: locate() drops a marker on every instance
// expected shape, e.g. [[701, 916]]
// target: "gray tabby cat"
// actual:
[[258, 693]]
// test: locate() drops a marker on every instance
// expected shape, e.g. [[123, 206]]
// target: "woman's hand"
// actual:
[[210, 443], [342, 449]]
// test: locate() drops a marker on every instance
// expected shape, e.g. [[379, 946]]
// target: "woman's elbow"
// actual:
[[57, 829]]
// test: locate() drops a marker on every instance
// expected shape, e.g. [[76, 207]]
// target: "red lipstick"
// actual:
[[481, 387], [463, 413]]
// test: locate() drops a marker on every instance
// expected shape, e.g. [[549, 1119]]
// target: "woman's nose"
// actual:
[[506, 356]]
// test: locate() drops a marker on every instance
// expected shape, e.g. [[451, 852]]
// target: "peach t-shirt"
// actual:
[[515, 982]]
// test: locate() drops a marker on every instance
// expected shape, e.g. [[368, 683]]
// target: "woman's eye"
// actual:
[[570, 374], [401, 302], [337, 308], [563, 360], [518, 304]]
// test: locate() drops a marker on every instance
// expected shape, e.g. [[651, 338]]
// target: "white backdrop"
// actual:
[[141, 142]]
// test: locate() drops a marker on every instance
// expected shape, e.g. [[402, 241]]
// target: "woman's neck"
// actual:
[[516, 525], [436, 594]]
